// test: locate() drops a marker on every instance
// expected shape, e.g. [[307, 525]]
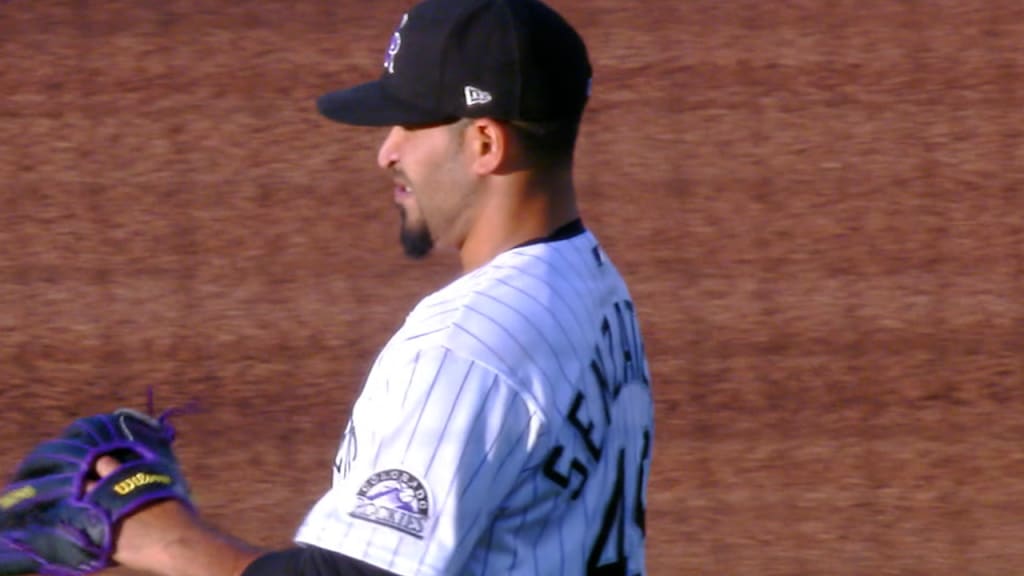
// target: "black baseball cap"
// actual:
[[449, 59]]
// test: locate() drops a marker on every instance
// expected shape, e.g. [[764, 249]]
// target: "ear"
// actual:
[[490, 144]]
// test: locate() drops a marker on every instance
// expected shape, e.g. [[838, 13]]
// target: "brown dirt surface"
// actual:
[[819, 206]]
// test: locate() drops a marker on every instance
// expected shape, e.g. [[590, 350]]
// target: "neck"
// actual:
[[515, 208]]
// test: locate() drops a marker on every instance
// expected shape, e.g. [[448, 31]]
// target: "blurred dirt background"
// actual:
[[819, 205]]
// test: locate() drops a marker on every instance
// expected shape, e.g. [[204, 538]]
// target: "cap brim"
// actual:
[[371, 104]]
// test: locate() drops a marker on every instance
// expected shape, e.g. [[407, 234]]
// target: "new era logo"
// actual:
[[476, 96]]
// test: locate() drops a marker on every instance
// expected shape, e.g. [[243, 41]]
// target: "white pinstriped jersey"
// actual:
[[506, 428]]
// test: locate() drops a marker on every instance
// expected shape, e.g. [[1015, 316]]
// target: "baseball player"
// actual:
[[507, 427]]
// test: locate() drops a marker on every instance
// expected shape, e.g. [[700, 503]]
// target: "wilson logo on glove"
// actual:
[[127, 485]]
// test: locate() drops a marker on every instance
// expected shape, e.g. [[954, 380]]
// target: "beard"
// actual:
[[415, 237]]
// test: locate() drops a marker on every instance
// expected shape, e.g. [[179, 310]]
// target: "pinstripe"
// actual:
[[412, 376], [448, 420], [570, 263], [552, 314], [553, 286], [553, 268], [471, 481], [435, 321], [369, 539], [380, 447], [557, 273], [540, 333], [497, 473], [525, 393], [503, 461], [426, 402], [348, 532], [515, 551], [439, 440], [584, 254], [430, 332], [487, 550], [573, 264], [511, 336]]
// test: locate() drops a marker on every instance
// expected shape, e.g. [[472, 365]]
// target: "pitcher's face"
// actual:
[[432, 185]]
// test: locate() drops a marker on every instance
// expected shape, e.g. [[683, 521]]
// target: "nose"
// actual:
[[387, 156]]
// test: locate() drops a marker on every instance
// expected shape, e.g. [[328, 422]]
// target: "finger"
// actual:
[[106, 465]]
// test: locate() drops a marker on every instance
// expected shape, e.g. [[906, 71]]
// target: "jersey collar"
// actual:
[[563, 232]]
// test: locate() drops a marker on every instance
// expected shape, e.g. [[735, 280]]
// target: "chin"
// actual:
[[415, 253], [415, 237]]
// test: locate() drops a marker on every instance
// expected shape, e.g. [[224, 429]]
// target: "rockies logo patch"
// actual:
[[396, 499]]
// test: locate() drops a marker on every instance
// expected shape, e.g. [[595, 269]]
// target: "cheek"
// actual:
[[430, 198], [439, 187]]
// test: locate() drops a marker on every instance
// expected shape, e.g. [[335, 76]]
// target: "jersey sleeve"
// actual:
[[439, 443]]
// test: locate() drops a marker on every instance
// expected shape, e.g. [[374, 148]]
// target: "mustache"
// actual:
[[397, 174]]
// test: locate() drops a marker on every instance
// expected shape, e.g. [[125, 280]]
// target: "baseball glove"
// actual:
[[58, 518]]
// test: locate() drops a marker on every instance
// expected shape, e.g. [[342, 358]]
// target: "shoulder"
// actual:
[[523, 275], [525, 314]]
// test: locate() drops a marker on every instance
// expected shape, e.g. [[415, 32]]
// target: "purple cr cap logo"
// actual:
[[394, 46]]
